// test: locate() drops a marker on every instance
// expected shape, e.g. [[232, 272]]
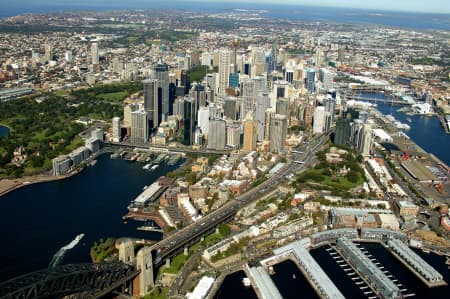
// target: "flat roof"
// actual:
[[418, 171]]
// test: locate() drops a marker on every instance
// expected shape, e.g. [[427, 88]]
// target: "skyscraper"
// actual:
[[188, 121], [233, 136], [319, 120], [278, 130], [218, 139], [94, 53], [248, 96], [262, 104], [116, 129], [343, 132], [162, 74], [250, 135], [139, 126], [269, 114], [203, 119], [310, 79], [330, 106], [229, 108], [151, 102], [48, 55], [224, 70], [282, 107]]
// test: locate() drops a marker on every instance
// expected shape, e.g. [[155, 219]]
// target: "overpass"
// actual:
[[79, 280], [166, 149]]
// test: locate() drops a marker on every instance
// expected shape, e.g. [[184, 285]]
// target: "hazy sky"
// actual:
[[439, 6]]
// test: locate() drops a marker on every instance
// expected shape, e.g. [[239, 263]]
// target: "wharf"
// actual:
[[444, 123], [145, 216]]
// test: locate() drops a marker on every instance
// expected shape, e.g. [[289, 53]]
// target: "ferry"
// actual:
[[154, 167], [146, 166], [246, 282]]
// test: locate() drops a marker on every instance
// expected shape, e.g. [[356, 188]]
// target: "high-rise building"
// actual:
[[127, 110], [330, 106], [289, 76], [94, 54], [310, 80], [116, 129], [233, 136], [68, 56], [309, 113], [178, 107], [139, 126], [282, 107], [248, 96], [203, 119], [278, 130], [341, 54], [224, 70], [343, 132], [234, 80], [262, 104], [218, 139], [229, 108], [151, 102], [319, 120], [326, 77], [269, 114], [189, 121], [367, 140], [48, 55], [162, 74], [250, 135]]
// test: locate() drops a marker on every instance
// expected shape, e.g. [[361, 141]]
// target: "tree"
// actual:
[[224, 230]]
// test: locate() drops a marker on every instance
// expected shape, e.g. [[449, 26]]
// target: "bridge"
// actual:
[[80, 280]]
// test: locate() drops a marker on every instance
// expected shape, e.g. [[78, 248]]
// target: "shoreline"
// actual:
[[9, 185]]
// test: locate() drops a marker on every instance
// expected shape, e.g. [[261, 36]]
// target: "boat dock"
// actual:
[[416, 264], [263, 285]]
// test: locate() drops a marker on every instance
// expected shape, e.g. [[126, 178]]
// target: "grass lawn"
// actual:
[[76, 142]]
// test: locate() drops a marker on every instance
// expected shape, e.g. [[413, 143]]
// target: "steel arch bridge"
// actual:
[[79, 280]]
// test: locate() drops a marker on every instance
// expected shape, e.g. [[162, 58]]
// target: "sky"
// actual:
[[426, 6]]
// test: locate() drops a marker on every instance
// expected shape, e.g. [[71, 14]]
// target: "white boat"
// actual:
[[146, 166], [145, 187], [246, 282], [293, 276], [154, 167]]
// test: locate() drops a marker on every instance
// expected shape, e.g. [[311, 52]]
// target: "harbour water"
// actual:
[[4, 131], [37, 220], [292, 284], [426, 131]]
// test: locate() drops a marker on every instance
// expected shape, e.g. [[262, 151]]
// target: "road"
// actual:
[[170, 245]]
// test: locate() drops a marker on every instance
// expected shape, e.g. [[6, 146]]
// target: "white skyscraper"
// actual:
[[262, 104], [203, 119], [94, 53], [234, 136], [224, 70], [278, 130], [319, 120], [139, 126], [218, 139], [116, 129]]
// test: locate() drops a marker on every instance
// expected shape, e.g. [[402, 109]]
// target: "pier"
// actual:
[[377, 279], [318, 279], [263, 285], [416, 264]]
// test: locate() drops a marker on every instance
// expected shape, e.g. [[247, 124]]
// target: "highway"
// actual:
[[169, 246]]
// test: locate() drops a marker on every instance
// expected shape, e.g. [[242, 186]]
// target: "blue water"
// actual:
[[37, 220], [426, 131], [293, 12]]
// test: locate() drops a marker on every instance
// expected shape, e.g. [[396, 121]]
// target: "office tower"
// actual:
[[262, 104], [247, 68], [278, 130], [357, 133], [211, 81], [258, 62], [341, 54], [233, 136], [250, 135], [127, 110], [197, 92], [269, 67], [116, 129], [269, 114], [367, 140], [162, 74], [289, 76], [310, 79], [94, 54], [319, 120], [139, 126], [178, 107], [189, 121], [68, 56], [248, 96], [203, 119], [224, 70], [282, 107], [198, 136], [280, 90], [215, 111], [48, 54], [117, 65], [330, 107], [326, 77], [151, 102], [229, 108], [318, 58], [260, 84], [218, 139], [309, 113], [343, 132]]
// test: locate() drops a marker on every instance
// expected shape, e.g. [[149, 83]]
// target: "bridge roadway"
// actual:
[[171, 245]]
